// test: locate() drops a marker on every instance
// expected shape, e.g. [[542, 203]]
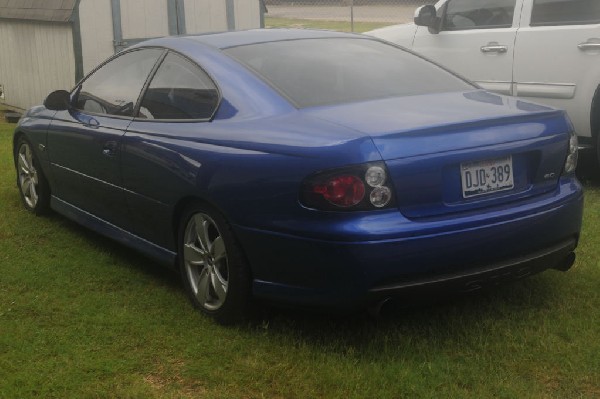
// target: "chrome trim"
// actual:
[[589, 46], [494, 48]]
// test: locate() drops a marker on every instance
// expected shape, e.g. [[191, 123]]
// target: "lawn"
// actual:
[[83, 317], [342, 26]]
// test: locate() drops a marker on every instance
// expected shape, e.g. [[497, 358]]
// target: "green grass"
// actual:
[[83, 317], [342, 26]]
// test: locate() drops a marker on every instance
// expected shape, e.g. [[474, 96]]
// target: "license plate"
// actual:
[[485, 177]]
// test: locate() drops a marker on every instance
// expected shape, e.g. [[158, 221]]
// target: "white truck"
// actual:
[[543, 50]]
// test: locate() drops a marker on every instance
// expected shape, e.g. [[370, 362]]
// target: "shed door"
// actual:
[[137, 20]]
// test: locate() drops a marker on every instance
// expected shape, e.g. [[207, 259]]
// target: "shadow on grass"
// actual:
[[121, 254], [588, 171], [413, 328]]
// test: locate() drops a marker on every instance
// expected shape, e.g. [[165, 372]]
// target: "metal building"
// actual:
[[47, 45]]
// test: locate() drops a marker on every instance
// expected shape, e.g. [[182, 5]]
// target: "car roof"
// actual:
[[241, 38]]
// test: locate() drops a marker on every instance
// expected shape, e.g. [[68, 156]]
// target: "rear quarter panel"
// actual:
[[251, 170]]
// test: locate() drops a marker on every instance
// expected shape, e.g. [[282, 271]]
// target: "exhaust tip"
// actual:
[[566, 263]]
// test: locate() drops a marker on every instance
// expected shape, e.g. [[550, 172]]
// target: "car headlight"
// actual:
[[573, 155]]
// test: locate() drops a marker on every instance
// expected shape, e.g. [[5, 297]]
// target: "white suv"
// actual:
[[545, 50]]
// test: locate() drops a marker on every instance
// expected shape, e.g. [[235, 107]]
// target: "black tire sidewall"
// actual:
[[598, 148], [237, 304]]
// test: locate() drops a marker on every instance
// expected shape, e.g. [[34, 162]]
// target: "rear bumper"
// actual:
[[560, 257], [459, 254]]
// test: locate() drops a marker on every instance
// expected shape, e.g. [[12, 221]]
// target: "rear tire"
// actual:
[[598, 149], [213, 268], [33, 185]]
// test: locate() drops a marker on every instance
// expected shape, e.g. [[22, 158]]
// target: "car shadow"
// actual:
[[120, 254], [429, 321], [588, 170]]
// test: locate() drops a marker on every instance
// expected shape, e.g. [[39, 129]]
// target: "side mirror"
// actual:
[[427, 16], [58, 100]]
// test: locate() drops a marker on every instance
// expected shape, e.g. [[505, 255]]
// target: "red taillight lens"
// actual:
[[342, 191], [360, 187]]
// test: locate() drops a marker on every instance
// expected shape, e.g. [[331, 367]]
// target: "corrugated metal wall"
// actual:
[[205, 15], [149, 18], [247, 14], [96, 32], [211, 15], [144, 18], [36, 59]]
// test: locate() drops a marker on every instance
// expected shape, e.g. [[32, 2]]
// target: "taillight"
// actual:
[[572, 156], [360, 187], [342, 191]]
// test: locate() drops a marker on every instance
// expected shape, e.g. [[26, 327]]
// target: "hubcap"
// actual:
[[205, 261], [28, 176]]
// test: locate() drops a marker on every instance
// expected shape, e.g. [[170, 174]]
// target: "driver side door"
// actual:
[[84, 143], [476, 40]]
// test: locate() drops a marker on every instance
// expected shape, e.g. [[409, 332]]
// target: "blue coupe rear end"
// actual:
[[483, 186], [436, 236]]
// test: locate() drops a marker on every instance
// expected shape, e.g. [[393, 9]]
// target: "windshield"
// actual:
[[314, 72]]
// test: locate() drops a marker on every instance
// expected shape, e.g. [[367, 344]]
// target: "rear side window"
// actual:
[[478, 14], [115, 88], [565, 12], [179, 90], [314, 72]]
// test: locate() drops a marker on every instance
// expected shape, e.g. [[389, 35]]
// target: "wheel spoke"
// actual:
[[193, 255], [202, 225], [203, 286], [26, 186], [23, 164], [29, 157], [33, 194], [217, 250], [219, 284]]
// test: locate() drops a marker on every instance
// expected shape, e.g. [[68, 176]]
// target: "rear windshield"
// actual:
[[313, 72]]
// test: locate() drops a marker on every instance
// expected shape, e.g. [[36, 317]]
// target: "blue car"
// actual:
[[307, 168]]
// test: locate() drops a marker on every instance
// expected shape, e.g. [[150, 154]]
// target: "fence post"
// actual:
[[352, 15]]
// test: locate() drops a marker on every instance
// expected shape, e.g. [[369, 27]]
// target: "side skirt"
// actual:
[[100, 226]]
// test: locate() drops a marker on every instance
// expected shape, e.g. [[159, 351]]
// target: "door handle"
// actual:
[[110, 149], [589, 46], [494, 48]]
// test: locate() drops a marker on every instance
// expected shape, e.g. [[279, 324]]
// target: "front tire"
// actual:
[[33, 186], [598, 149], [213, 269]]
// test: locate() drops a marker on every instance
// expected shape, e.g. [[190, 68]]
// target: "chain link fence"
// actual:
[[346, 15]]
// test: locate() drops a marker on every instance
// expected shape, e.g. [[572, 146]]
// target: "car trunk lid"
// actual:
[[434, 144]]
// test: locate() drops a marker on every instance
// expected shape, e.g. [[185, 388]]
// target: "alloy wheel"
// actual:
[[205, 261], [28, 176]]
